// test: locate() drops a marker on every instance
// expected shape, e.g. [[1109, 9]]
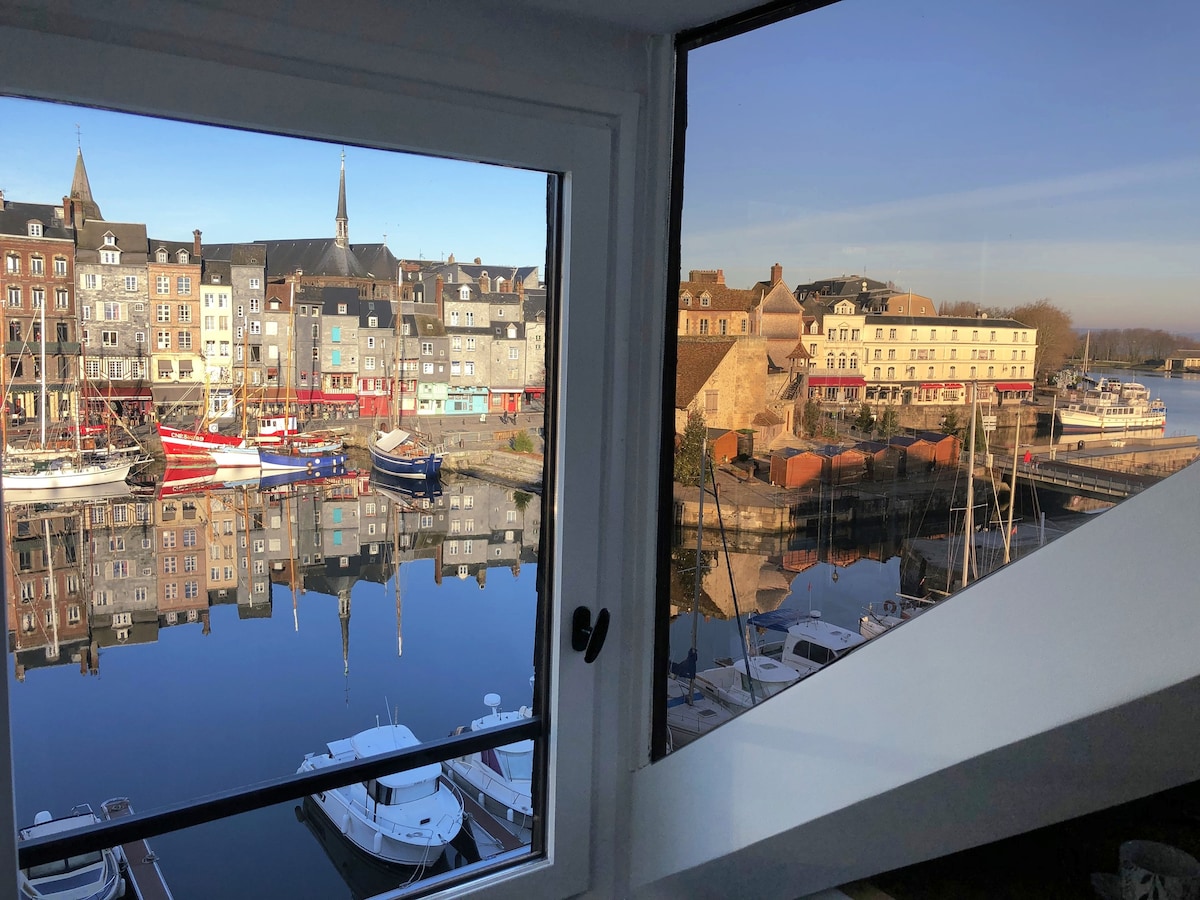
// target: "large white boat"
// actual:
[[810, 643], [407, 818], [85, 876], [1112, 407], [499, 780], [65, 473]]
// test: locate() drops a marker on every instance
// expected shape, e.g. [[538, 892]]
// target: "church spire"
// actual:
[[83, 205], [343, 222]]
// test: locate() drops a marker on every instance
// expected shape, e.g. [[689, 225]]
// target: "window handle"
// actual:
[[587, 638]]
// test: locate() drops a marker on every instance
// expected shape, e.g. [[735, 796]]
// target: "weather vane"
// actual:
[[78, 140]]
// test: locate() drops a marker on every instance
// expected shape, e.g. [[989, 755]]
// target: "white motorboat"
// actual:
[[406, 818], [730, 686], [66, 473], [500, 779], [85, 876], [1113, 407], [810, 643]]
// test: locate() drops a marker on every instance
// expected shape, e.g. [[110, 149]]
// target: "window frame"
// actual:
[[599, 140]]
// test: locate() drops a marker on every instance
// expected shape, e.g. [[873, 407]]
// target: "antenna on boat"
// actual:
[[388, 707], [493, 702]]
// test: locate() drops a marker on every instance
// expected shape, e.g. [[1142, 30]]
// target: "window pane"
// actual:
[[920, 244], [281, 565]]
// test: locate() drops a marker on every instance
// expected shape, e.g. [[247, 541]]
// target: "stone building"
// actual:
[[177, 373]]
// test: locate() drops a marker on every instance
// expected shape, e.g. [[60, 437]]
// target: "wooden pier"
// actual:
[[141, 873]]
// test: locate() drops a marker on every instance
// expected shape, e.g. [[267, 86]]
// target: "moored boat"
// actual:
[[299, 462], [403, 454], [1112, 407], [810, 643], [500, 779], [730, 686], [84, 876], [66, 474], [406, 818]]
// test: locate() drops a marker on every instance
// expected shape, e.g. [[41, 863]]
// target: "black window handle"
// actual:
[[587, 638]]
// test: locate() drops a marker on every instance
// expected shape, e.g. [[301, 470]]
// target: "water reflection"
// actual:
[[224, 628]]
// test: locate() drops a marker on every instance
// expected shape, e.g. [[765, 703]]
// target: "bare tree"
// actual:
[[1056, 340]]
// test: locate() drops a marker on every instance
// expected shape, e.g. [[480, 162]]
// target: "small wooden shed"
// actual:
[[946, 448], [918, 454], [884, 462], [722, 445], [793, 468], [842, 465]]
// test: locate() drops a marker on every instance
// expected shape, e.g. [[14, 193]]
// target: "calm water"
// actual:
[[866, 571], [199, 694]]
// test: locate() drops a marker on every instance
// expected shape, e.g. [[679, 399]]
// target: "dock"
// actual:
[[141, 872], [483, 820]]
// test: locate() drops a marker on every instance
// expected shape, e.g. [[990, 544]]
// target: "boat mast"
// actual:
[[42, 383], [1012, 492], [968, 512], [697, 572], [53, 593]]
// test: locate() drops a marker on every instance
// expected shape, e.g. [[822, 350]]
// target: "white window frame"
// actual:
[[607, 424]]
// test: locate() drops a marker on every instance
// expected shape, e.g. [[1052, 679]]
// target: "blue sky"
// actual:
[[241, 186], [991, 152]]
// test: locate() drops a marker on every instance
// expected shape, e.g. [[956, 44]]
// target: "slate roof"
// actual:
[[221, 269], [172, 247], [696, 362], [81, 189], [15, 218], [845, 286], [322, 256], [427, 326], [381, 310], [236, 254], [952, 321], [535, 304], [474, 270], [130, 240]]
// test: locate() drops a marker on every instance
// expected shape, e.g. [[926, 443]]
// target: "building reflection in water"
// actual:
[[96, 572]]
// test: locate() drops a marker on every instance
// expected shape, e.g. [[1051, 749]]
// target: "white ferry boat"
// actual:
[[1111, 407]]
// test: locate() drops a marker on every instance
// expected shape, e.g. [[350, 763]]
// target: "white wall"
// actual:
[[1064, 683]]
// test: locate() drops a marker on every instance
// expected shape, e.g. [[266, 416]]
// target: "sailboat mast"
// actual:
[[969, 511], [42, 397], [1012, 494], [697, 573]]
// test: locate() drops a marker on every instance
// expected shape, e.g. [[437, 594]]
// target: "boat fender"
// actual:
[[346, 823], [377, 843], [889, 606], [510, 814]]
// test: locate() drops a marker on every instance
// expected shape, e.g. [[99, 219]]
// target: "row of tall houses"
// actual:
[[108, 320], [89, 575], [749, 358]]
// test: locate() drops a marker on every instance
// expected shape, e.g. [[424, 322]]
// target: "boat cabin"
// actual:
[[810, 642]]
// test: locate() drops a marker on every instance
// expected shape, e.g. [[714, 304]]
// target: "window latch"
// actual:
[[587, 638]]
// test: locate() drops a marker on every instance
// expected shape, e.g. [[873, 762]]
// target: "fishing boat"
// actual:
[[84, 876], [403, 454], [1112, 407], [809, 643], [408, 818], [283, 460], [500, 779]]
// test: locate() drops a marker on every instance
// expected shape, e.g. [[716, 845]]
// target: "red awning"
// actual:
[[836, 380], [303, 396], [1014, 386], [931, 387], [953, 387], [340, 398]]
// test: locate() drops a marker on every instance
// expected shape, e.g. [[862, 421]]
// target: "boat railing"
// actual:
[[396, 829], [492, 783]]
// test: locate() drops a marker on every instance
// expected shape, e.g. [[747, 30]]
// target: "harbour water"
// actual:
[[849, 571], [413, 608]]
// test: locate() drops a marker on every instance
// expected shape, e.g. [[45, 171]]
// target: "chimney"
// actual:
[[437, 297], [196, 244], [520, 285], [721, 275], [776, 274], [478, 261], [485, 282]]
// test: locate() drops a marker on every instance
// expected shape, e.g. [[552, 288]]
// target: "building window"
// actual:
[[37, 265], [110, 257], [89, 281], [254, 284], [62, 299], [515, 352], [164, 340], [60, 266], [470, 319], [183, 285]]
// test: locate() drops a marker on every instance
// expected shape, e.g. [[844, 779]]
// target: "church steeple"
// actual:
[[343, 222], [83, 206]]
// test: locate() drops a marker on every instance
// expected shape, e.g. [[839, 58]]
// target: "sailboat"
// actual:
[[399, 452], [49, 466], [690, 713]]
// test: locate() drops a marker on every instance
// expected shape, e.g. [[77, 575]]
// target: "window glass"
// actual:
[[327, 585], [1030, 234]]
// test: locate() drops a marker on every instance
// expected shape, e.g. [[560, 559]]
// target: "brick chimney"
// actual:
[[776, 274], [485, 282], [196, 244], [520, 285], [437, 297], [721, 276]]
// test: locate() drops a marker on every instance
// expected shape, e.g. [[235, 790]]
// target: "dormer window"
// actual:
[[110, 239], [183, 257], [35, 229], [464, 293], [512, 331], [214, 279], [161, 256], [110, 257], [705, 299], [686, 298], [341, 309]]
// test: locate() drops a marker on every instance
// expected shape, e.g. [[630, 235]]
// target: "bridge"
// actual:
[[1076, 479]]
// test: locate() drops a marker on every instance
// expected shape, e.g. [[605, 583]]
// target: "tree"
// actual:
[[950, 423], [865, 418], [522, 442], [687, 454], [521, 501], [811, 418], [1056, 340], [889, 423]]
